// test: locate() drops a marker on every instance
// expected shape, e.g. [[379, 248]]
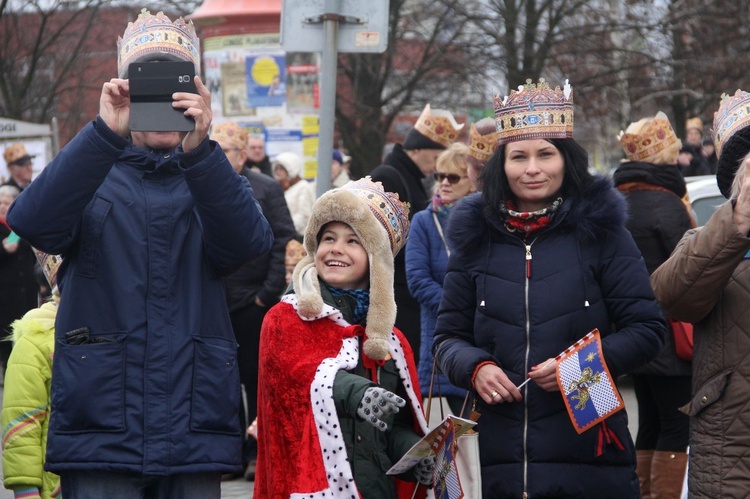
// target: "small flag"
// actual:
[[589, 392], [445, 477]]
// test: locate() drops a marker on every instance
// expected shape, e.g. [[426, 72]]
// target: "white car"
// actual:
[[704, 196]]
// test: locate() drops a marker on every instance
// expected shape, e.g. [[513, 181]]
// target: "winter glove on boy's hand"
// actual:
[[424, 469], [377, 404]]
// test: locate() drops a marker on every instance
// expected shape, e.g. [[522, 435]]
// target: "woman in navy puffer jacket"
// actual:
[[540, 258]]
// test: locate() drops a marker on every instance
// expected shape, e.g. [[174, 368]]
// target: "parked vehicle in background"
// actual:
[[704, 196]]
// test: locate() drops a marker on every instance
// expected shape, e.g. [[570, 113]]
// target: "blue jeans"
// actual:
[[100, 484]]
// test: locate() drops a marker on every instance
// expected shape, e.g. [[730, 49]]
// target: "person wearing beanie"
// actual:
[[257, 285], [339, 399], [402, 172], [146, 388], [539, 259], [482, 143], [26, 396], [298, 192], [339, 173], [657, 218], [706, 281]]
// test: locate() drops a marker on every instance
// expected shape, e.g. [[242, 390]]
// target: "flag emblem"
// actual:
[[445, 477], [587, 386]]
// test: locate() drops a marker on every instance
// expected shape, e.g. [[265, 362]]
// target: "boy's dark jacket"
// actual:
[[585, 273], [146, 236]]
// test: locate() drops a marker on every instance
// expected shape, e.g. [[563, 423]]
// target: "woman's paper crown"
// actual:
[[656, 137], [153, 37], [438, 125], [535, 111], [481, 146]]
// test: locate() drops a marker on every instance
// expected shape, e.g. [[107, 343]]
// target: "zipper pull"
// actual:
[[528, 261]]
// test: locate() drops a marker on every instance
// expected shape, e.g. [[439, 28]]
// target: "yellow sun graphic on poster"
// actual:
[[264, 70]]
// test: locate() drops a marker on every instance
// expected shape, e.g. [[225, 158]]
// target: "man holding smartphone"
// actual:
[[147, 404]]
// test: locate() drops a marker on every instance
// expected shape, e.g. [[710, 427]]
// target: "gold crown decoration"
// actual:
[[535, 111], [229, 133], [694, 123], [50, 264], [294, 252], [389, 210], [733, 115], [153, 37], [481, 146], [656, 137], [438, 125]]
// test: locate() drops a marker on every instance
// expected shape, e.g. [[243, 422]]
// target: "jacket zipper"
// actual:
[[526, 367]]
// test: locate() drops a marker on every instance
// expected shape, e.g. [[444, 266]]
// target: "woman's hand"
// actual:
[[198, 107], [492, 384], [545, 375]]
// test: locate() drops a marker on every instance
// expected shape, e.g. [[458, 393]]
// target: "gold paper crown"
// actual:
[[230, 133], [535, 111], [389, 210], [294, 253], [649, 142], [438, 125], [481, 146], [153, 37], [733, 115]]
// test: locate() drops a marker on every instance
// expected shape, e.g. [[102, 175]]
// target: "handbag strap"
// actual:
[[430, 393], [440, 231]]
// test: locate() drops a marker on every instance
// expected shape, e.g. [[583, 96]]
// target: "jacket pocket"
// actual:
[[89, 386], [93, 224], [707, 394], [215, 403]]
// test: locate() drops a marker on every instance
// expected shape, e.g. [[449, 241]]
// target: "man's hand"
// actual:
[[198, 107], [114, 106], [378, 403]]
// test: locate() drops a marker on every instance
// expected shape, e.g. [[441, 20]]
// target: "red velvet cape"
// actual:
[[300, 448]]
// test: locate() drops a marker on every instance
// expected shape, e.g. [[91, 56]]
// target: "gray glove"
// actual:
[[377, 404], [424, 470]]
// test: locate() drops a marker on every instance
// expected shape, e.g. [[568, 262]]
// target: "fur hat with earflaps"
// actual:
[[381, 221]]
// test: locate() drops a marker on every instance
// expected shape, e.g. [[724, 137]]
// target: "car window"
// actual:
[[705, 207]]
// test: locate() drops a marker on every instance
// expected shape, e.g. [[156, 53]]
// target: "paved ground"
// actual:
[[242, 489]]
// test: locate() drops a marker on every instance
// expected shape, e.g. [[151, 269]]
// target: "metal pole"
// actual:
[[327, 96]]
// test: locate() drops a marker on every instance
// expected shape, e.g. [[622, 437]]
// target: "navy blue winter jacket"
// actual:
[[146, 237], [586, 273]]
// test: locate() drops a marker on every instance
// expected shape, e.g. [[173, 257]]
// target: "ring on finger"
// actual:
[[494, 394]]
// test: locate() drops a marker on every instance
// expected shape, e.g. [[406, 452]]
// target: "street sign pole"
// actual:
[[327, 96]]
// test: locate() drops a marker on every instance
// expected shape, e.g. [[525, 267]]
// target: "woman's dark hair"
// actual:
[[576, 179]]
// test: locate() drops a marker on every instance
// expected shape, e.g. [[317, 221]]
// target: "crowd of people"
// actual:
[[209, 318]]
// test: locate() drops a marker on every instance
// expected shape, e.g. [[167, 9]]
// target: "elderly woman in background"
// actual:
[[706, 281], [539, 259], [299, 195], [427, 257], [657, 218]]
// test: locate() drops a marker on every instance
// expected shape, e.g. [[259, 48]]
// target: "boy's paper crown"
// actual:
[[535, 111], [730, 139], [155, 37]]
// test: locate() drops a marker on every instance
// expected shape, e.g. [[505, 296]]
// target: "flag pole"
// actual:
[[529, 379]]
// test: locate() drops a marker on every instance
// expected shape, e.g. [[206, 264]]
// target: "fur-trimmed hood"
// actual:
[[601, 209]]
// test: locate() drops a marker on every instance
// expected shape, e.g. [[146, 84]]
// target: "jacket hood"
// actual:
[[667, 176], [38, 320], [601, 209]]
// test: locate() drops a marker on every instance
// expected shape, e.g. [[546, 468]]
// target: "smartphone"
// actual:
[[151, 87]]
